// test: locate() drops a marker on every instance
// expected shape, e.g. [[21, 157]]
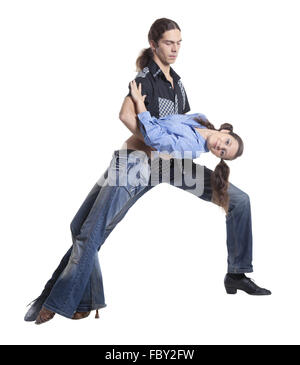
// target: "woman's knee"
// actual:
[[238, 197]]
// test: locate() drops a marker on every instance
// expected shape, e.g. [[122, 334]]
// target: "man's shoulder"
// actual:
[[146, 78], [144, 73]]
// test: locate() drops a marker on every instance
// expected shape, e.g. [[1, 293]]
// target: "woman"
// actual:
[[180, 135], [187, 136], [183, 136]]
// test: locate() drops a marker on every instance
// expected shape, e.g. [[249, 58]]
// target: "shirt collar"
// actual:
[[156, 71]]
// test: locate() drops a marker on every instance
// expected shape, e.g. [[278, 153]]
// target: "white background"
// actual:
[[65, 68]]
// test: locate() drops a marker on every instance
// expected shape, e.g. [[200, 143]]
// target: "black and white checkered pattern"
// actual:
[[176, 105], [182, 92], [166, 107], [162, 99]]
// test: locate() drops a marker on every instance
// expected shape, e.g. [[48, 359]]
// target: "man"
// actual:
[[165, 94], [76, 286]]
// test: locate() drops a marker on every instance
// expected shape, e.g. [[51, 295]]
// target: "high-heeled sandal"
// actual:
[[44, 316]]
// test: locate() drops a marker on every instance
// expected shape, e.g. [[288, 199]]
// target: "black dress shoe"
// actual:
[[245, 284]]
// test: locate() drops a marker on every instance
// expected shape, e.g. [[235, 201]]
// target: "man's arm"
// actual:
[[128, 112], [128, 116]]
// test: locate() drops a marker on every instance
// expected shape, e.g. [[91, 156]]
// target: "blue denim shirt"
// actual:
[[174, 134]]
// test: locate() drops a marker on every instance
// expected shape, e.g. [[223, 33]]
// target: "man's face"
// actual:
[[168, 46]]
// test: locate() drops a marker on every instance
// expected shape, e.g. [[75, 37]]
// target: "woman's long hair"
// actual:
[[219, 177], [158, 28]]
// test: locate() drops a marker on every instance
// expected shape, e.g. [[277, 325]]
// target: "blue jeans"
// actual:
[[77, 284]]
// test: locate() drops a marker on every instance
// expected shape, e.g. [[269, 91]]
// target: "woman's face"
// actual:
[[222, 144]]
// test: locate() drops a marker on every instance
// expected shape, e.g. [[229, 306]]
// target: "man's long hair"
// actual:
[[158, 28]]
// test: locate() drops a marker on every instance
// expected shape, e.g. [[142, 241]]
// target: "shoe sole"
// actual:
[[234, 291]]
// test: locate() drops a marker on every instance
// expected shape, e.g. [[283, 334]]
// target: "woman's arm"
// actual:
[[166, 140], [155, 133], [137, 97]]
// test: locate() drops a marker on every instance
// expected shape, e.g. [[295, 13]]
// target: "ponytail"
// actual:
[[219, 183], [205, 123], [145, 56]]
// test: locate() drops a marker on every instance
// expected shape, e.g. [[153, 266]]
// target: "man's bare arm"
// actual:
[[128, 116]]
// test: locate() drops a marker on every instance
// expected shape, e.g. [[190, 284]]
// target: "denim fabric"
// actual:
[[95, 294], [77, 284], [74, 289], [238, 223]]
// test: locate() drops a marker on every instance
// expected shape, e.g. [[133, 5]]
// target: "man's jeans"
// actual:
[[76, 284]]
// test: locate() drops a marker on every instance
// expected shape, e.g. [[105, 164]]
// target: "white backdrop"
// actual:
[[65, 68]]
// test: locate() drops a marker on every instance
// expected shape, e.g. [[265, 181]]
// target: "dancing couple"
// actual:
[[164, 142]]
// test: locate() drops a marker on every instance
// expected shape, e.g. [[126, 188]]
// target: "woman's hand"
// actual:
[[136, 92], [138, 98]]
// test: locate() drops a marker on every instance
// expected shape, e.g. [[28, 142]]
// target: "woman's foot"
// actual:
[[44, 316], [80, 315], [35, 308]]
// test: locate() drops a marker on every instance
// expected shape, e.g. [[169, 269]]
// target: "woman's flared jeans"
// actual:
[[76, 284]]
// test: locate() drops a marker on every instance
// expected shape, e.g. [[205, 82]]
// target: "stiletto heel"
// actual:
[[230, 290]]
